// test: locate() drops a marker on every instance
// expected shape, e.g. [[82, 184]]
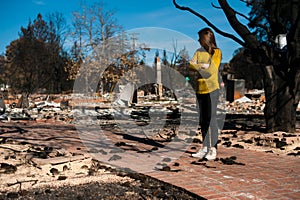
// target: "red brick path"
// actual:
[[263, 176]]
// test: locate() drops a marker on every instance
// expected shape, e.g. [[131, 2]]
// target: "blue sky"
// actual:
[[131, 14]]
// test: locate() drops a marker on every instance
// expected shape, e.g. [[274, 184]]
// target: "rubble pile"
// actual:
[[62, 108], [252, 103], [77, 109], [41, 108], [245, 105]]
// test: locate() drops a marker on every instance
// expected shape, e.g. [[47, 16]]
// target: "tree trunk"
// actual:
[[280, 109]]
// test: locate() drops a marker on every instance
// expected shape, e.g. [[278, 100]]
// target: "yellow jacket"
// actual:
[[209, 80]]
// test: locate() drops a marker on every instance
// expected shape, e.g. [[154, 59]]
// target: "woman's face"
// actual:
[[207, 35]]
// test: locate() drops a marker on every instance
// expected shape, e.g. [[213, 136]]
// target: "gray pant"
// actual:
[[207, 108]]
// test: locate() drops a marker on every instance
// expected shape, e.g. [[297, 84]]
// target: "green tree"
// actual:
[[268, 19], [35, 61]]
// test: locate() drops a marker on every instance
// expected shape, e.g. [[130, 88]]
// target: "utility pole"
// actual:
[[133, 76], [133, 37]]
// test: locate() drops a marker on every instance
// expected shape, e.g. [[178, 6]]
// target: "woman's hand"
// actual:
[[204, 65], [201, 65]]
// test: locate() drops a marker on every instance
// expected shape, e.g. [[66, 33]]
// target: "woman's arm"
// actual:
[[204, 69]]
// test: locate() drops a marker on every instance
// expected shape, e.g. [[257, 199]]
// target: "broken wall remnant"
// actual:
[[128, 94], [235, 89]]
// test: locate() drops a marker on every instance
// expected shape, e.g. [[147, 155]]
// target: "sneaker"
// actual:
[[201, 153], [212, 154]]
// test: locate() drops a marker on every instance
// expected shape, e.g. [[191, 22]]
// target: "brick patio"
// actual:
[[258, 175]]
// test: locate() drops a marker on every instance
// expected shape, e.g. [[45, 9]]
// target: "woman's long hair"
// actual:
[[209, 46]]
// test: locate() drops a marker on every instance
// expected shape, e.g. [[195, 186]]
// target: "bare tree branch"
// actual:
[[238, 13], [210, 24], [239, 28], [214, 6]]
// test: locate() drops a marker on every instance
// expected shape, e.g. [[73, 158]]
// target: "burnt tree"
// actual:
[[269, 19]]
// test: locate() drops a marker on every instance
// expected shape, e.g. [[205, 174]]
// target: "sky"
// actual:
[[159, 18]]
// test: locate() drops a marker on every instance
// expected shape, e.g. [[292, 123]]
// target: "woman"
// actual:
[[206, 61]]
